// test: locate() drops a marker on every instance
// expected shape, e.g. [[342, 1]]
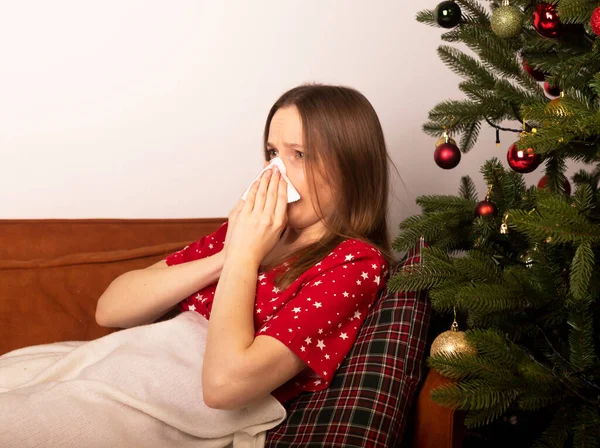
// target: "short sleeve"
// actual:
[[321, 323], [205, 247]]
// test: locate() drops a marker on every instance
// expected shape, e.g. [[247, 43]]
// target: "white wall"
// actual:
[[155, 109]]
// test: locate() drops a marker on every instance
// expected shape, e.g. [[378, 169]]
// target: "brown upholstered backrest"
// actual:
[[52, 272], [435, 426]]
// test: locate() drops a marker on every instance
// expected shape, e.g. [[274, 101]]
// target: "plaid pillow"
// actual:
[[370, 398]]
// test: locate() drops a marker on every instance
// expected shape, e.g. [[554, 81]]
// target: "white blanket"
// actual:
[[139, 387]]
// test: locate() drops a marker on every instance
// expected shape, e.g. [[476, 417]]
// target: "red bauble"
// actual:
[[595, 21], [538, 75], [545, 20], [551, 90], [486, 208], [567, 185], [446, 156], [522, 160]]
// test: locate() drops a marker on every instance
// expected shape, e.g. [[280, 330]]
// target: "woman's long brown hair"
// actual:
[[342, 132]]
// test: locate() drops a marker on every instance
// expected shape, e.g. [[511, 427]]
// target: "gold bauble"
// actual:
[[507, 21], [443, 140], [452, 342], [557, 108], [557, 111]]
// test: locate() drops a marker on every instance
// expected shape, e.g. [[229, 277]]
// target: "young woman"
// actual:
[[285, 287]]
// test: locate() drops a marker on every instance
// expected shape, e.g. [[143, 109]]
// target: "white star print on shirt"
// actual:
[[346, 294], [376, 279], [358, 282], [263, 329], [317, 283], [308, 340], [357, 314], [349, 257], [261, 277], [192, 308], [296, 310], [317, 304], [320, 344], [210, 246], [374, 266], [364, 275], [344, 336]]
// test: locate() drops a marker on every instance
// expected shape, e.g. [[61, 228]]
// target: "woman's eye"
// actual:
[[300, 154], [272, 153]]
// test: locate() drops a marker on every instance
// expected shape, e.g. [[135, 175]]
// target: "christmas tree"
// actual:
[[522, 266]]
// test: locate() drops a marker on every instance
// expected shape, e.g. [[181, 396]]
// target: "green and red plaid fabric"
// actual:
[[370, 398]]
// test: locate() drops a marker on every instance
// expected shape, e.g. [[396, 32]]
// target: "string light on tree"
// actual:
[[447, 14], [507, 21], [546, 21]]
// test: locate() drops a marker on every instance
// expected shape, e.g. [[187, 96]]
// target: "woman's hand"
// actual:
[[260, 220]]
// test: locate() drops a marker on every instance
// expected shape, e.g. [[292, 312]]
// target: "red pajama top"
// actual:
[[317, 317]]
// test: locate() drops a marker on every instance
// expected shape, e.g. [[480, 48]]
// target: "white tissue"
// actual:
[[293, 194]]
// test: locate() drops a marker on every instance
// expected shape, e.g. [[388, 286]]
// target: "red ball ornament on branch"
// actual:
[[522, 160], [546, 21], [595, 21], [486, 208], [551, 90], [538, 75], [566, 185], [447, 156]]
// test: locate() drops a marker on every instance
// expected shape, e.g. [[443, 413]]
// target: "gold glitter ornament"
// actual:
[[507, 21], [452, 342], [557, 110]]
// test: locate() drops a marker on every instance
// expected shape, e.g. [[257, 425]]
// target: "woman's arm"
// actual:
[[238, 367], [141, 296]]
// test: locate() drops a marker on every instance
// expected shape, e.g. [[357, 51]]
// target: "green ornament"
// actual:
[[507, 21]]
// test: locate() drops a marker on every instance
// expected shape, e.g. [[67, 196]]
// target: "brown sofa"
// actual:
[[53, 271]]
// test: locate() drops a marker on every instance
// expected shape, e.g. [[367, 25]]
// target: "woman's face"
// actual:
[[285, 142]]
